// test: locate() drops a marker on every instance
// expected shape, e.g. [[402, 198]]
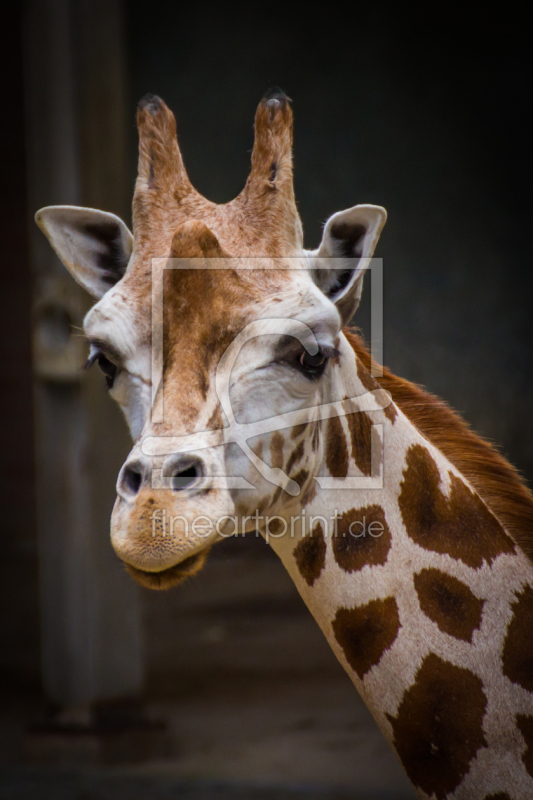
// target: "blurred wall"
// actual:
[[19, 631]]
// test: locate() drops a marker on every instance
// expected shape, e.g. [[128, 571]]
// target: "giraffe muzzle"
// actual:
[[167, 515]]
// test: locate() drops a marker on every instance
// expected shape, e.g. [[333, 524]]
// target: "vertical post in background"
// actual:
[[77, 124]]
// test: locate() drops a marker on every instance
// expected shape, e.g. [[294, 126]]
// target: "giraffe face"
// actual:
[[237, 347], [172, 503]]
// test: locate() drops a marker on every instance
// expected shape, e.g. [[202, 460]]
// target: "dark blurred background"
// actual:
[[426, 113]]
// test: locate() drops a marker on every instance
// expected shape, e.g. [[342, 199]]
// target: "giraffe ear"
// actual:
[[95, 246], [339, 264]]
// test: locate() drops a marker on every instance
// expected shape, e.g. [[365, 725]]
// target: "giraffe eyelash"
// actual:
[[330, 351], [108, 367]]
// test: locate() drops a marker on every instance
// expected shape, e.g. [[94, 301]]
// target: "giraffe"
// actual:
[[421, 579]]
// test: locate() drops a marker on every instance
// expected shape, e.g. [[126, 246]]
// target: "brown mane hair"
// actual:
[[498, 483]]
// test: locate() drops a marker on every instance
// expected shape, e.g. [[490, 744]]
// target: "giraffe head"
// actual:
[[211, 320]]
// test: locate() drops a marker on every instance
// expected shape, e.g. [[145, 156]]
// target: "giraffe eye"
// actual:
[[107, 367], [313, 366]]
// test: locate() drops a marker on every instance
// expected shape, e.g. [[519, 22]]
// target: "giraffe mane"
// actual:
[[498, 483]]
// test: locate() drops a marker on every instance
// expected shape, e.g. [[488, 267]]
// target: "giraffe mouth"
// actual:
[[171, 576]]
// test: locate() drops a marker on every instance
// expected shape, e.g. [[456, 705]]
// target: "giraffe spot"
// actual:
[[371, 384], [274, 525], [366, 377], [360, 426], [276, 450], [309, 493], [460, 525], [517, 657], [390, 412], [310, 554], [525, 726], [258, 449], [336, 449], [449, 603], [277, 495], [361, 537], [366, 632], [298, 430], [438, 727], [301, 478], [295, 456]]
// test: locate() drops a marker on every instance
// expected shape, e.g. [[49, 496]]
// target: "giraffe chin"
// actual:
[[172, 576]]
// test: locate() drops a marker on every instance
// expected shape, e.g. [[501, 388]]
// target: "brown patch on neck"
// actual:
[[498, 483], [366, 632], [336, 449], [276, 450], [371, 384], [361, 537], [360, 426], [460, 525], [449, 603], [294, 458], [517, 656], [310, 554], [438, 728], [301, 478]]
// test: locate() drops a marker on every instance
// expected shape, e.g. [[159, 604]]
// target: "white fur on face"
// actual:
[[113, 327]]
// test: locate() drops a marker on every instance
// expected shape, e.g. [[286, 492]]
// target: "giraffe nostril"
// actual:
[[131, 480], [132, 477], [182, 479], [183, 471]]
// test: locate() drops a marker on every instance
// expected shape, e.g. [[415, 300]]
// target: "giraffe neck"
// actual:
[[425, 599]]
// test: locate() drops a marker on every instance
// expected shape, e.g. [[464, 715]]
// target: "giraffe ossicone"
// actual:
[[421, 578]]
